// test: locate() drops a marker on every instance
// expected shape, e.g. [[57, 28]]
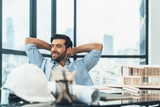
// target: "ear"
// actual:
[[69, 51]]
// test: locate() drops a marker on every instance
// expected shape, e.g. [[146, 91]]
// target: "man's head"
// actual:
[[68, 42], [61, 47]]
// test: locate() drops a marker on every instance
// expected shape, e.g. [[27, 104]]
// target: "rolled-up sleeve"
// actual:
[[33, 54], [91, 59]]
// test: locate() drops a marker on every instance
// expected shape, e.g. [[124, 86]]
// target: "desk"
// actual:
[[145, 98]]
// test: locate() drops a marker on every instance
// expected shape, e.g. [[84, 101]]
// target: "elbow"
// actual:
[[28, 40], [100, 46]]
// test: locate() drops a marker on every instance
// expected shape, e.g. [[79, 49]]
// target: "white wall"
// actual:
[[154, 32]]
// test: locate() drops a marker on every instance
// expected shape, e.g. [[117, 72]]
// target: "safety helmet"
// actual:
[[29, 83]]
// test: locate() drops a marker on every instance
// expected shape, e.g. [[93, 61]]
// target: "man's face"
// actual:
[[58, 50]]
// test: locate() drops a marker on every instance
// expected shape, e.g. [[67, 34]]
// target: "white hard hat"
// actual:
[[29, 83]]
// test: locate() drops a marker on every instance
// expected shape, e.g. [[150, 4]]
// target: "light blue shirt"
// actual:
[[82, 66]]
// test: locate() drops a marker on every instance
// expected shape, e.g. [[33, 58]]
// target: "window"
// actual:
[[65, 17], [15, 28], [108, 70], [15, 23], [121, 25], [44, 21], [115, 23]]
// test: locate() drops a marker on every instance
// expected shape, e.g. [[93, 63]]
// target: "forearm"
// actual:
[[87, 48], [39, 43]]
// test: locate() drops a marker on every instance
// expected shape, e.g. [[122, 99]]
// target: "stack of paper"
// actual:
[[111, 96], [108, 93], [106, 89]]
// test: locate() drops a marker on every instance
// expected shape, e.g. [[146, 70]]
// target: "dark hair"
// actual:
[[68, 42]]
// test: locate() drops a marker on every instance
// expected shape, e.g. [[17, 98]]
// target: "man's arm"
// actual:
[[87, 48], [39, 43]]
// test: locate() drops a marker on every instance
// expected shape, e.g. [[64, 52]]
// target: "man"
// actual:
[[61, 49]]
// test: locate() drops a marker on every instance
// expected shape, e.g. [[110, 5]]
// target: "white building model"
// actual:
[[142, 76]]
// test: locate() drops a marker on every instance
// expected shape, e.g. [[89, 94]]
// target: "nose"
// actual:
[[53, 48]]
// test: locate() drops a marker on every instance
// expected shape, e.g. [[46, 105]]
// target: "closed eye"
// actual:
[[59, 46]]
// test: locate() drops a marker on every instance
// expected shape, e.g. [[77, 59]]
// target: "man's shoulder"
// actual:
[[75, 62]]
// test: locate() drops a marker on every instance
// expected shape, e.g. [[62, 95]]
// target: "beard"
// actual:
[[59, 57]]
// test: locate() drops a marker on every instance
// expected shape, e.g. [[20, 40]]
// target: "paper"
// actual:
[[109, 96], [84, 94], [106, 89], [131, 89]]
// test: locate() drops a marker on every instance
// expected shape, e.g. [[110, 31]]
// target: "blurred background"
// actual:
[[128, 30]]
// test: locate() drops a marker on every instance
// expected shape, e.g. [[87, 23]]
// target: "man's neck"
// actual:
[[62, 63]]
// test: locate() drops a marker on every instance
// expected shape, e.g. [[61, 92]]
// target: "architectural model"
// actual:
[[142, 75]]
